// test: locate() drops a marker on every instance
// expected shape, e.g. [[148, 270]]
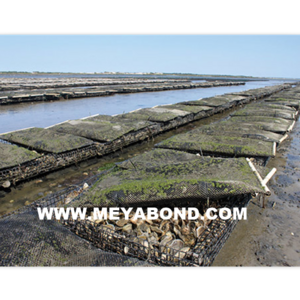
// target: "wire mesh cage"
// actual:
[[202, 253]]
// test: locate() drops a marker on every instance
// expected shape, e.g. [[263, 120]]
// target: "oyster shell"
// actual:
[[127, 228], [122, 222]]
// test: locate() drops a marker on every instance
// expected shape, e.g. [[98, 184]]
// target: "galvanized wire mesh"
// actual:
[[203, 253], [46, 163], [27, 241]]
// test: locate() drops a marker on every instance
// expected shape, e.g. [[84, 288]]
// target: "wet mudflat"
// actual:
[[270, 236]]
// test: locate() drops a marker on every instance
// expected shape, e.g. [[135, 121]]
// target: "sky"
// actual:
[[252, 55]]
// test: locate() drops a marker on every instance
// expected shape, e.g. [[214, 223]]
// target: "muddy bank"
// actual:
[[270, 236]]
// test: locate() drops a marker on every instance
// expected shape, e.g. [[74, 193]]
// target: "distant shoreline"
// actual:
[[188, 75]]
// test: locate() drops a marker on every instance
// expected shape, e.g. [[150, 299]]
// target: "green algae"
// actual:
[[196, 141], [267, 112], [106, 167], [11, 155], [196, 177], [210, 102], [156, 157], [270, 105], [277, 126], [156, 114], [261, 119], [214, 102], [238, 130], [189, 108], [47, 140], [101, 130]]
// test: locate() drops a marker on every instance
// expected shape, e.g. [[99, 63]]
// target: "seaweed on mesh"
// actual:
[[12, 155], [222, 144], [46, 140], [137, 182]]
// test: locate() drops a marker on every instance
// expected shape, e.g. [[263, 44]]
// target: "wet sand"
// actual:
[[270, 236]]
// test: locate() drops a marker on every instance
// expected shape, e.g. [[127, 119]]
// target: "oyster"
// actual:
[[182, 252], [165, 239], [122, 222], [144, 227], [199, 231], [177, 244], [127, 228], [189, 239], [156, 229], [109, 226]]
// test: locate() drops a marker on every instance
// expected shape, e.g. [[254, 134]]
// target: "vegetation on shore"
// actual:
[[138, 73]]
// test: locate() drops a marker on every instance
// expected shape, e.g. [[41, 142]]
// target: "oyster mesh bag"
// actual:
[[201, 252], [21, 167], [162, 176], [172, 179], [27, 241]]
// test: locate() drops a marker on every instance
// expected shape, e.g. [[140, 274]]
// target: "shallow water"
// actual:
[[43, 114]]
